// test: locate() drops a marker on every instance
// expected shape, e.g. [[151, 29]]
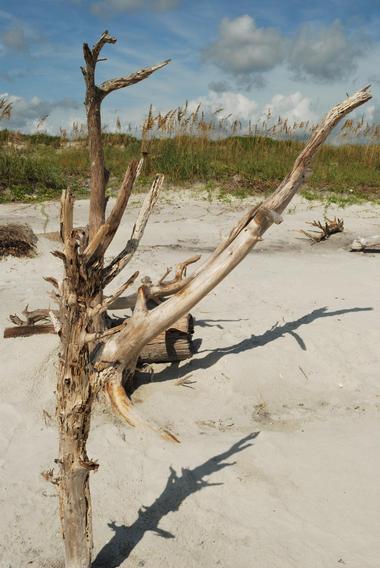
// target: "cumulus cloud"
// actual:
[[231, 103], [242, 48], [327, 53], [28, 113], [248, 52], [295, 107], [105, 6]]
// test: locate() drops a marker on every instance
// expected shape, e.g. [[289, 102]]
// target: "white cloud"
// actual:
[[247, 52], [27, 113], [236, 104], [295, 107], [105, 6], [327, 53], [243, 48]]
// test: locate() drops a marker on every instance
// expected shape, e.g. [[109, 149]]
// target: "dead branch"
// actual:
[[126, 255], [31, 317], [108, 302], [92, 358], [330, 227], [104, 235], [121, 82]]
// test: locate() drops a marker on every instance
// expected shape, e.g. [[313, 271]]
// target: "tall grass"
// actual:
[[189, 146]]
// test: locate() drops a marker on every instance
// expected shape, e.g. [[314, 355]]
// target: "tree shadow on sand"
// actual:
[[277, 331], [177, 489]]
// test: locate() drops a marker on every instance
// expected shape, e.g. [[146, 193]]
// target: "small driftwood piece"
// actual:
[[366, 244], [17, 240], [329, 227], [28, 330]]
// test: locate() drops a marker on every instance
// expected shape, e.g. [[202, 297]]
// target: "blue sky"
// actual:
[[295, 57]]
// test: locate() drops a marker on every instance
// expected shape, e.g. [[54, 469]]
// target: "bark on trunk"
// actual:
[[74, 401], [75, 393]]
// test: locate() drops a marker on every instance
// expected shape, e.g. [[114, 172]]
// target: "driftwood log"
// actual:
[[171, 345], [94, 358]]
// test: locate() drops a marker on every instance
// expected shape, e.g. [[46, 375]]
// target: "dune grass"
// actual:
[[37, 167]]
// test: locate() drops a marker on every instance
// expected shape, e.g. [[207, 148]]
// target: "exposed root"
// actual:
[[122, 404]]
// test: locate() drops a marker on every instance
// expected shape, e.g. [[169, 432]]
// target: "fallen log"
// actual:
[[366, 244], [174, 344]]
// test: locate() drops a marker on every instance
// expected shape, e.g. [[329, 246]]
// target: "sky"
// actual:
[[294, 57]]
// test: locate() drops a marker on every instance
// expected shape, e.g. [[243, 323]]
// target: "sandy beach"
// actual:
[[279, 461]]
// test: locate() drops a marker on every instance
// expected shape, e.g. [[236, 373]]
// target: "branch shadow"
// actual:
[[174, 371], [177, 489]]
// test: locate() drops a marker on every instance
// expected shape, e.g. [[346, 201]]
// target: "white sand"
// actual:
[[290, 349]]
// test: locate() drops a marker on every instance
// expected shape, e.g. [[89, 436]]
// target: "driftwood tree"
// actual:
[[95, 357]]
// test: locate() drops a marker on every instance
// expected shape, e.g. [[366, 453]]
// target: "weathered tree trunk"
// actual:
[[74, 398], [74, 395]]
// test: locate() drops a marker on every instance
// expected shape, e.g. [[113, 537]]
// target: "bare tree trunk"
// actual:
[[74, 395]]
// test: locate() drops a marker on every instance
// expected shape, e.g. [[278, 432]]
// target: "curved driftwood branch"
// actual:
[[125, 347]]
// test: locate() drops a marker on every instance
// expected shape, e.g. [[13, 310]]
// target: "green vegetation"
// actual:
[[37, 167]]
